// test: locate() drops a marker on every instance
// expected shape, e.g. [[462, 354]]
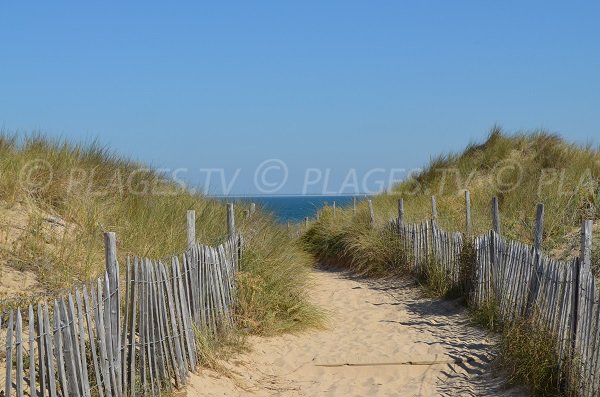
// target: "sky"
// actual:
[[316, 93]]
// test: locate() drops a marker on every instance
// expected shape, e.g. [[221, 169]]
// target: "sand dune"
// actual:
[[383, 340]]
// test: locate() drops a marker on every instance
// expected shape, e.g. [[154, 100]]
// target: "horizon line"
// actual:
[[290, 195]]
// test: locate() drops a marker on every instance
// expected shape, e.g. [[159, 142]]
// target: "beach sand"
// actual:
[[382, 339]]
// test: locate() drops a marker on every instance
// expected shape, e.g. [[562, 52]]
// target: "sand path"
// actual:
[[399, 344]]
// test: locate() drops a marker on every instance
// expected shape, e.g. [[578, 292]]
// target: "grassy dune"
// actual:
[[57, 198], [521, 170]]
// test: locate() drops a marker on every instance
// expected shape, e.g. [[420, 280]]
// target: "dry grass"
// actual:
[[78, 191], [541, 167], [529, 357], [521, 170]]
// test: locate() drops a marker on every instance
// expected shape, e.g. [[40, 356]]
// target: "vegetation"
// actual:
[[521, 170], [57, 198], [529, 357]]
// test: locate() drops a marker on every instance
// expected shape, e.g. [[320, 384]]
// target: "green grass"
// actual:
[[529, 357], [521, 170], [82, 190], [524, 158]]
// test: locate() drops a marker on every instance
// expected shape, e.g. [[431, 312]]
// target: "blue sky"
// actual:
[[336, 85]]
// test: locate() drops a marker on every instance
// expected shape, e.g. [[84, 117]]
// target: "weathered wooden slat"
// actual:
[[468, 225], [155, 336], [19, 351], [124, 339], [143, 325], [539, 227], [131, 339], [186, 319], [210, 285], [191, 227], [98, 302], [92, 338], [9, 354], [181, 365], [150, 354], [72, 324], [230, 219], [32, 338], [73, 378], [171, 360], [162, 359], [371, 212], [152, 348], [112, 310], [400, 211], [434, 213], [50, 351], [187, 288], [107, 306], [41, 350], [58, 350], [495, 215], [79, 316]]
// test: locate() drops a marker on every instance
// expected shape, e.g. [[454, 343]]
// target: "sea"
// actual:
[[294, 208]]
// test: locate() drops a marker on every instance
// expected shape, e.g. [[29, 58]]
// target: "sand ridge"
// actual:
[[383, 339]]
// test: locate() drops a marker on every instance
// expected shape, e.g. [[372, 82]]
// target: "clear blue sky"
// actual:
[[337, 85]]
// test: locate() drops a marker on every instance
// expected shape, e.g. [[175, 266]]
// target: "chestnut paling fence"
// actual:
[[124, 337], [520, 281]]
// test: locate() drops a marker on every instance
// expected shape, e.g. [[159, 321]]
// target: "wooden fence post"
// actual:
[[113, 297], [400, 211], [371, 212], [584, 262], [586, 243], [334, 209], [495, 215], [539, 227], [537, 247], [434, 214], [191, 227], [230, 220], [468, 225], [354, 205], [252, 208]]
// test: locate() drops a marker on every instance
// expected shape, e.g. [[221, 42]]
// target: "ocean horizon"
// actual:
[[293, 208]]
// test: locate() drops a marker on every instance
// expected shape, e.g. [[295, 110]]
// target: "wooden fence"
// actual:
[[521, 282], [128, 337]]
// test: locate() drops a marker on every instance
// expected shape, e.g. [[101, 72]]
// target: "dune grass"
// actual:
[[521, 170], [62, 196], [529, 357]]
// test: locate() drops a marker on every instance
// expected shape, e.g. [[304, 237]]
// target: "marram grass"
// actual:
[[521, 170], [57, 198]]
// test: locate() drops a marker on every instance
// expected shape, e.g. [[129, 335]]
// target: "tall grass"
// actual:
[[75, 192], [521, 170], [350, 241], [529, 357]]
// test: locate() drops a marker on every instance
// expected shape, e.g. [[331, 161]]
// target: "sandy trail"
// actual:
[[399, 344]]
